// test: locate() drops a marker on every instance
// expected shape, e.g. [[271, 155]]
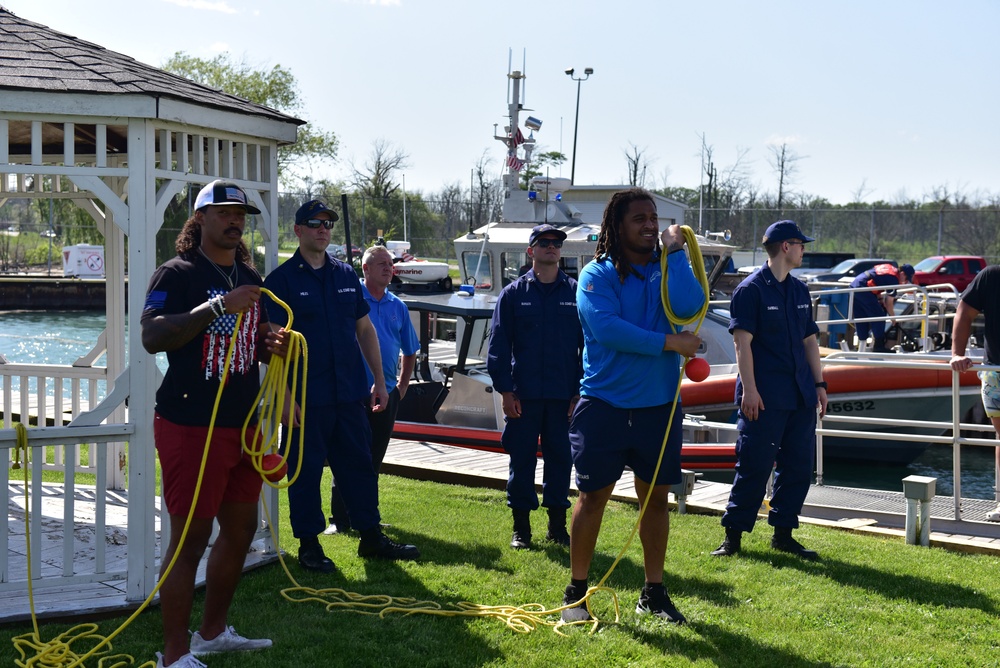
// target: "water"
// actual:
[[37, 337], [33, 337], [54, 337]]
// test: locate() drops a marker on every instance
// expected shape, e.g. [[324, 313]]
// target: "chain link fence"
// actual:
[[903, 235], [31, 240]]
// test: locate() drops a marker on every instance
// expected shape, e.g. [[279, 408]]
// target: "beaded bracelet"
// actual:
[[217, 306]]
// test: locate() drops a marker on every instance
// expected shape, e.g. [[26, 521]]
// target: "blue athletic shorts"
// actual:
[[605, 440]]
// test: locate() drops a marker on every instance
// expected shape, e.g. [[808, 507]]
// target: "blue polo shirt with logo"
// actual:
[[395, 334]]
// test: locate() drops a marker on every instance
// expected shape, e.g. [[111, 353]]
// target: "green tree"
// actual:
[[539, 166], [276, 88]]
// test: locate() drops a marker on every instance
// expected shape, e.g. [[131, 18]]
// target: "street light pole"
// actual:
[[576, 123]]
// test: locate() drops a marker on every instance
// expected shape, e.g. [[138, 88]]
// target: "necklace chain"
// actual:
[[231, 277]]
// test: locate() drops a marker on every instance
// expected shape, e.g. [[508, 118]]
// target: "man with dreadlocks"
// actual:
[[631, 367], [190, 313]]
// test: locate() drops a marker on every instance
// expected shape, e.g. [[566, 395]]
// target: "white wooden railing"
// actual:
[[54, 395], [67, 522], [79, 533]]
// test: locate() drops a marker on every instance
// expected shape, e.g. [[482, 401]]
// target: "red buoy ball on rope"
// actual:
[[697, 369], [273, 463]]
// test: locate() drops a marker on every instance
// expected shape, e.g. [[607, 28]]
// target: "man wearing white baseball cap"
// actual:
[[190, 313]]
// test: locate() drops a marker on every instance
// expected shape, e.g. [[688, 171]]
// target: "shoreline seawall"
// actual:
[[33, 292]]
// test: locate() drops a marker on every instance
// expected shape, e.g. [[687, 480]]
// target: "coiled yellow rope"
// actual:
[[272, 398]]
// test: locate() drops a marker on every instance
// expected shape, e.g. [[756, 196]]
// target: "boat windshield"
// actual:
[[513, 265], [476, 267]]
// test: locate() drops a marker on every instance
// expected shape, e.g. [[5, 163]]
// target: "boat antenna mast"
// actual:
[[513, 138]]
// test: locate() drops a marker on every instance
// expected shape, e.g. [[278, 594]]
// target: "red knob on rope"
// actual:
[[270, 463], [697, 369]]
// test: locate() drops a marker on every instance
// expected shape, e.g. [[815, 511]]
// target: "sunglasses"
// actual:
[[316, 223], [545, 243]]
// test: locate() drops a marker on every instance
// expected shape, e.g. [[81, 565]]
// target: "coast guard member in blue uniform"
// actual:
[[396, 335], [534, 362], [779, 387], [873, 305], [332, 314]]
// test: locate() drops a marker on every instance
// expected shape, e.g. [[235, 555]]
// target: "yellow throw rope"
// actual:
[[522, 619], [528, 617], [272, 398]]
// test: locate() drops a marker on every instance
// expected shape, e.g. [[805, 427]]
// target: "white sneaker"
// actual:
[[994, 516], [227, 641], [186, 661]]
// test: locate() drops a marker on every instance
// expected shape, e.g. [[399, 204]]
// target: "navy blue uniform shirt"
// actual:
[[875, 279], [779, 316], [326, 305], [536, 335]]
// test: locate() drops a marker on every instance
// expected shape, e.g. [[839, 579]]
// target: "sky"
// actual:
[[891, 99]]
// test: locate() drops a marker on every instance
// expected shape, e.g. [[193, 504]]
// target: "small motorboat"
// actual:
[[409, 269]]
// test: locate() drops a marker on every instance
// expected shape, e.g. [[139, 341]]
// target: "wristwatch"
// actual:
[[822, 384]]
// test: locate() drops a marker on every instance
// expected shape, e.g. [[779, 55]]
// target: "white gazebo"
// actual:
[[119, 139]]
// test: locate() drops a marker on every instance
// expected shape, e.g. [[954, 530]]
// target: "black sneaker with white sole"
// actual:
[[578, 613], [655, 600]]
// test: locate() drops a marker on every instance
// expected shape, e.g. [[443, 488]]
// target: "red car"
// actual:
[[958, 270]]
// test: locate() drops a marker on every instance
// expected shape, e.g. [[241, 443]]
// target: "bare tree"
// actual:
[[727, 192], [783, 159], [734, 182], [663, 179], [488, 195], [376, 179], [861, 192], [638, 165]]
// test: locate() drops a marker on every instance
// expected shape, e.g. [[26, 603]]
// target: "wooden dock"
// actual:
[[861, 510], [864, 511]]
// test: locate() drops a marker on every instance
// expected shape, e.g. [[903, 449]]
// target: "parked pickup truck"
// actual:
[[959, 270]]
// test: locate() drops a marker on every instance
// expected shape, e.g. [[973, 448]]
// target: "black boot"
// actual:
[[731, 545], [557, 527], [311, 556], [879, 346], [521, 540], [784, 542]]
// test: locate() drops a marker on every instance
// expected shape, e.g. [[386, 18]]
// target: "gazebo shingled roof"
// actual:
[[35, 57]]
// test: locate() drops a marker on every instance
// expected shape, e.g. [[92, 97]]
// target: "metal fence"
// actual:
[[431, 226], [900, 234]]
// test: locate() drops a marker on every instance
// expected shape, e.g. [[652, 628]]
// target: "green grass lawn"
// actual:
[[869, 602]]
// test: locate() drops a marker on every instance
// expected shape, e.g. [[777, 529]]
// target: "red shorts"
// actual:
[[229, 473]]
